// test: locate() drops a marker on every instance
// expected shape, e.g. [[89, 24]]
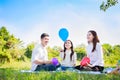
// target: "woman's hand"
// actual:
[[74, 65], [89, 65]]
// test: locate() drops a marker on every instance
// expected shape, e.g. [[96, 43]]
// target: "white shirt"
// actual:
[[38, 53], [67, 61], [96, 57]]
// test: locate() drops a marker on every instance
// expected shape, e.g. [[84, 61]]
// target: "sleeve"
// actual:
[[46, 56], [61, 55], [100, 55], [87, 53], [35, 55], [75, 58]]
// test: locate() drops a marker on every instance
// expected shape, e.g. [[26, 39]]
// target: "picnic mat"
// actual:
[[105, 71], [76, 71]]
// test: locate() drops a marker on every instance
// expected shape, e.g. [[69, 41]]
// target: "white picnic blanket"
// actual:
[[84, 72]]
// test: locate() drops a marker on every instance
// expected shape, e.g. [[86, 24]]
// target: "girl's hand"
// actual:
[[61, 50]]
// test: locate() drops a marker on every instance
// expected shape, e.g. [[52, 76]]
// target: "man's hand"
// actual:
[[48, 62], [42, 62]]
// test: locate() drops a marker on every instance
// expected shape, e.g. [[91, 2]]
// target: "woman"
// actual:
[[94, 53], [68, 56]]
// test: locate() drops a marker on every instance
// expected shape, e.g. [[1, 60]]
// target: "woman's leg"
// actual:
[[79, 67], [98, 68]]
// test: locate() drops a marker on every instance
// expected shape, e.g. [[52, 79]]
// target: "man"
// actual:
[[40, 56]]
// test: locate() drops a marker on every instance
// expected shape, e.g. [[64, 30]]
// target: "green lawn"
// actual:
[[11, 71], [10, 74]]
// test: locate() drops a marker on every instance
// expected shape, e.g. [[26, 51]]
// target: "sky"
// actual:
[[28, 19]]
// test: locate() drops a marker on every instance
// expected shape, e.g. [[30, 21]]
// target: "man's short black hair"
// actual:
[[44, 35]]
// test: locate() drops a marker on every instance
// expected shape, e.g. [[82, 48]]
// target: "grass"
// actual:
[[17, 65], [11, 71], [10, 74]]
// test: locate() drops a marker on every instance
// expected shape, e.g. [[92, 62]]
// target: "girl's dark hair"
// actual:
[[95, 39], [72, 51]]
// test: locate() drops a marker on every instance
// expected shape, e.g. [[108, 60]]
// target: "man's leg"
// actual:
[[40, 68], [49, 67], [46, 67]]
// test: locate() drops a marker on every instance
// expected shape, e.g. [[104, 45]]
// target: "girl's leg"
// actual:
[[64, 68]]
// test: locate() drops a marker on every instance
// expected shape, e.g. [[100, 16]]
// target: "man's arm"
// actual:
[[42, 62]]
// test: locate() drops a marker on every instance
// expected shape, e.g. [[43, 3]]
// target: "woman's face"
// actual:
[[90, 37], [68, 45]]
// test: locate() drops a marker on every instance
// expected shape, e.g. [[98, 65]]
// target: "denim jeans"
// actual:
[[46, 67], [65, 68]]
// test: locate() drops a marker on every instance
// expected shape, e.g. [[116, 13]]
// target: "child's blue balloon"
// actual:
[[63, 34]]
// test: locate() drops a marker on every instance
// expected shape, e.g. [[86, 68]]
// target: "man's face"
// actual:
[[45, 41]]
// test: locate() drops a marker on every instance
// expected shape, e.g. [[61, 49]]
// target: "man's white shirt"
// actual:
[[38, 53]]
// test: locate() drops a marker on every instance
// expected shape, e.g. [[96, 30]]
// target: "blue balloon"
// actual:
[[63, 34]]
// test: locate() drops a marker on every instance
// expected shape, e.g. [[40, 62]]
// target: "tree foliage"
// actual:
[[105, 5], [80, 51], [28, 50], [53, 52], [111, 53], [9, 46]]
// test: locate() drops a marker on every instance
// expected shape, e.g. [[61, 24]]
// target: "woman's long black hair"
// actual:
[[95, 39], [72, 51]]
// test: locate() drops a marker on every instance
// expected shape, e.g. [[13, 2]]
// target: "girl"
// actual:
[[68, 56], [94, 53]]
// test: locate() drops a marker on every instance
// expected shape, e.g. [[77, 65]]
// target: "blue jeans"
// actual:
[[65, 68], [46, 67]]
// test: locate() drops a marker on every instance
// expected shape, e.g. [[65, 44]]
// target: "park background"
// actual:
[[23, 21]]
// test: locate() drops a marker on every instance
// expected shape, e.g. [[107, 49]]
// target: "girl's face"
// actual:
[[68, 45], [90, 37]]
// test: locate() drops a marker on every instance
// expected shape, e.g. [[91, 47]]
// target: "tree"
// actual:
[[111, 53], [107, 49], [53, 52], [28, 50], [81, 52], [9, 46], [116, 52], [105, 5]]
